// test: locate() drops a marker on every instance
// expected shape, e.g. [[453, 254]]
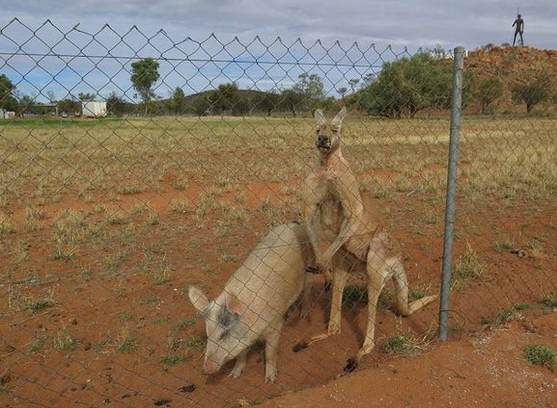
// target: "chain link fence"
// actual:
[[134, 166]]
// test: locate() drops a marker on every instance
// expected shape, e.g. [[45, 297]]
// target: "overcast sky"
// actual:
[[413, 24]]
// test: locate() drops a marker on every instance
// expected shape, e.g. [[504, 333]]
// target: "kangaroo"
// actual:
[[332, 203]]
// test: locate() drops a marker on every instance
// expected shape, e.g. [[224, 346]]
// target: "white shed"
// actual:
[[94, 109], [4, 114]]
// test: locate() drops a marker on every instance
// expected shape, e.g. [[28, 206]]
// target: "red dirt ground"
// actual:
[[487, 370], [495, 374]]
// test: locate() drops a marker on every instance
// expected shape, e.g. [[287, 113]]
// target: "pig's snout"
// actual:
[[210, 367]]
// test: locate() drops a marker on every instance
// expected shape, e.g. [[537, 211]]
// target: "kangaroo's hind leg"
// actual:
[[401, 286], [378, 271], [405, 307]]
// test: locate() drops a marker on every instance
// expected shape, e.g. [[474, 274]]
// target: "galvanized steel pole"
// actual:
[[456, 109]]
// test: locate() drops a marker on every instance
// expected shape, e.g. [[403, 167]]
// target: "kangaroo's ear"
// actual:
[[337, 121], [319, 118], [198, 298]]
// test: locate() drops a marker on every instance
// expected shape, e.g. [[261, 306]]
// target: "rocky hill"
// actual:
[[513, 66]]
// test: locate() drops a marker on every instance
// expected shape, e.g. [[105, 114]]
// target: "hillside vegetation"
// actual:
[[514, 67]]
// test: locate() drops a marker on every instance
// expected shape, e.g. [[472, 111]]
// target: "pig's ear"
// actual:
[[198, 299], [234, 305]]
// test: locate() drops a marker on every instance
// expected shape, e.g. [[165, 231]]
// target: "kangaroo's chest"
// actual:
[[327, 184]]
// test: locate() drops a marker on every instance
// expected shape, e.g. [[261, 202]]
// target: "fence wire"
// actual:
[[134, 167]]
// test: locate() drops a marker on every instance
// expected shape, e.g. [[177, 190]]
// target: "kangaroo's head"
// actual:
[[327, 138]]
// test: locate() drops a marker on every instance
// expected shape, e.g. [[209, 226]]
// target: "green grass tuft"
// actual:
[[541, 355], [150, 300], [549, 301], [36, 345], [35, 305], [173, 359], [126, 343], [65, 342]]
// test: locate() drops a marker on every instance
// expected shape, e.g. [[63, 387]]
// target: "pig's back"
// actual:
[[272, 276]]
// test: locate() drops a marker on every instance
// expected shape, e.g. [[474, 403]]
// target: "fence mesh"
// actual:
[[194, 150]]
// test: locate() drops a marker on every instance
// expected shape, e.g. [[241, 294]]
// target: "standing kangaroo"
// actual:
[[333, 204]]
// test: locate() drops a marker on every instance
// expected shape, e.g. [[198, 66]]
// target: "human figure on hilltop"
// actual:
[[519, 23]]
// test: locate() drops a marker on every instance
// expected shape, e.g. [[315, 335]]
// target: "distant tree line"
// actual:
[[401, 88]]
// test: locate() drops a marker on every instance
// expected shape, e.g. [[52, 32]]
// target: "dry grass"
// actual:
[[71, 228], [32, 218], [492, 154], [468, 266], [189, 182], [6, 227], [406, 343]]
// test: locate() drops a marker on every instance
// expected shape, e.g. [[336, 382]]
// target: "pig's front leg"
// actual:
[[240, 364], [271, 352]]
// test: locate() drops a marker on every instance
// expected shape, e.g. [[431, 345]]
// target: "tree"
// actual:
[[385, 96], [310, 86], [291, 100], [51, 96], [25, 104], [224, 97], [115, 105], [86, 96], [532, 94], [353, 83], [489, 90], [145, 73], [69, 105], [342, 91], [178, 101], [202, 103], [7, 90], [410, 85], [368, 79], [229, 98], [266, 102], [240, 104], [330, 105]]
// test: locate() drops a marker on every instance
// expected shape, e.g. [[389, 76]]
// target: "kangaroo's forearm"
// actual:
[[310, 221], [347, 231]]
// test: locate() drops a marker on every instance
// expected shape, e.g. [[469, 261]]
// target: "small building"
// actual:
[[4, 114], [94, 109]]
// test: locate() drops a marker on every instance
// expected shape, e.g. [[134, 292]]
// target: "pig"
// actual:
[[255, 300]]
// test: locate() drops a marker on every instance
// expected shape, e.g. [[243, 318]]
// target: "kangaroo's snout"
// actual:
[[323, 141]]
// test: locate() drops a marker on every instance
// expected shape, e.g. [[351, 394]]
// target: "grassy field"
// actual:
[[44, 160], [104, 224]]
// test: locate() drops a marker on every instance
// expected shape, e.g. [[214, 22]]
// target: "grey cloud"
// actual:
[[411, 24], [420, 23]]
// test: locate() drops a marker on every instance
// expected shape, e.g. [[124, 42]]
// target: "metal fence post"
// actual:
[[456, 108]]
